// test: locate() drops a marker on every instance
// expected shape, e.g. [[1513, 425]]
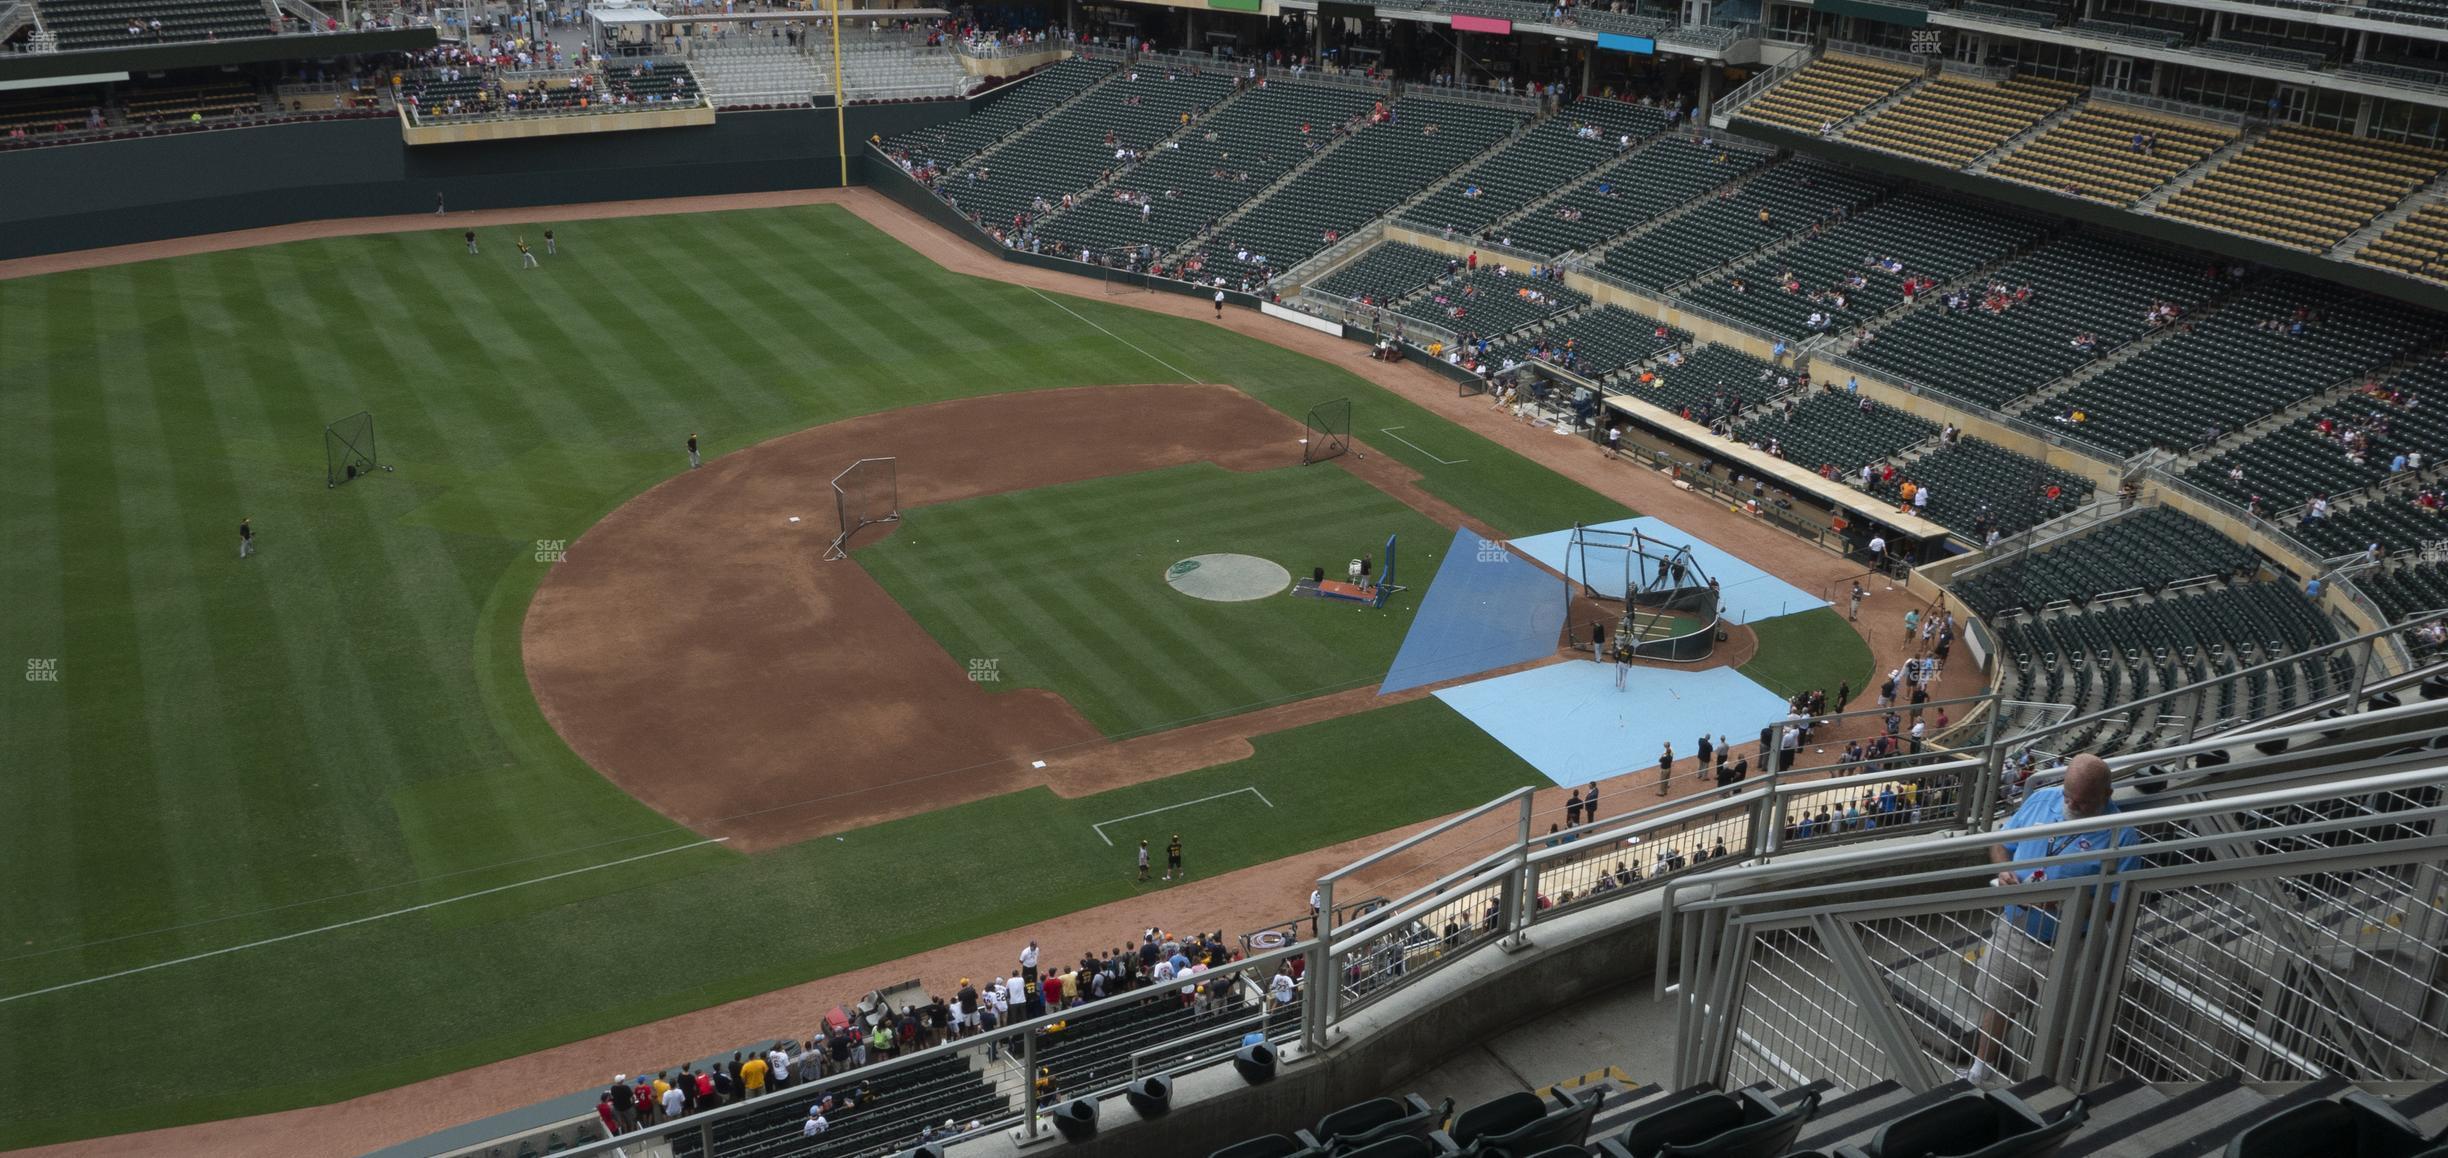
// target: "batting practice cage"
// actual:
[[348, 448], [869, 492], [1629, 566], [1329, 433]]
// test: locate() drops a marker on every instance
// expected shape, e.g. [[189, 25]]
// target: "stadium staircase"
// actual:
[[2244, 140], [1073, 101], [2040, 400], [1121, 176], [2008, 147], [1198, 242], [2361, 239], [1712, 195]]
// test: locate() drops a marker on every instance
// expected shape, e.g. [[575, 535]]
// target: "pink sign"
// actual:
[[1482, 24]]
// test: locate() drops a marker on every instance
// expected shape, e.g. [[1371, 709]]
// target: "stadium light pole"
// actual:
[[841, 131]]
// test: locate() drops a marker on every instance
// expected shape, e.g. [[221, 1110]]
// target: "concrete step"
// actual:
[[1857, 1115], [2205, 1124]]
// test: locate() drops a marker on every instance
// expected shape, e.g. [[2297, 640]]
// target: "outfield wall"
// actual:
[[118, 192]]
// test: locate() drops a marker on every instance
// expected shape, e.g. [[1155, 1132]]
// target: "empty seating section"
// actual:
[[106, 23], [1225, 160], [1611, 338], [1952, 122], [888, 69], [2080, 285], [2393, 521], [2312, 456], [1069, 150], [1006, 112], [2306, 188], [2275, 344], [752, 70], [2132, 32], [2417, 245], [1371, 171], [1835, 430], [1702, 376], [1971, 476], [1779, 201], [1489, 302], [2146, 550], [2106, 153], [2425, 73], [2281, 55], [2108, 656], [221, 98], [887, 1118], [1826, 91], [2037, 17], [1385, 271], [1574, 141], [47, 110], [1847, 274], [2407, 590], [1665, 176]]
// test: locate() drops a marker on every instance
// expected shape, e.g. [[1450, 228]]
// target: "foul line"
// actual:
[[1115, 336], [1388, 431], [1099, 826], [360, 921]]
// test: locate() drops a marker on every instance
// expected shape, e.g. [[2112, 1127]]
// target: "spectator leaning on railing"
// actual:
[[2025, 934]]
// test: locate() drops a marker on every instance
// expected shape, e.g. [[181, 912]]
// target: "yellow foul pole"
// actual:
[[841, 131]]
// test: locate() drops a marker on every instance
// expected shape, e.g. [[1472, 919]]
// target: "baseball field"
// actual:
[[286, 829]]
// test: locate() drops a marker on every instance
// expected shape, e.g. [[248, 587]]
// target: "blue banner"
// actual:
[[1637, 45]]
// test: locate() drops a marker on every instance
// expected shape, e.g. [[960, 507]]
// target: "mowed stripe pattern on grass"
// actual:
[[341, 726], [1064, 588]]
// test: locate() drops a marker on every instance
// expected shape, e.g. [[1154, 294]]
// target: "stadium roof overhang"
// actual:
[[75, 67]]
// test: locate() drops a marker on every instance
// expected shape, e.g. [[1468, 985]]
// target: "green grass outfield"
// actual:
[[1091, 617], [1808, 651], [339, 728]]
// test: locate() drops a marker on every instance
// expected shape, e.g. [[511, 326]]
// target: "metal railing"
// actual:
[[1499, 895], [2284, 934], [1743, 93], [1878, 52], [2309, 558], [1786, 987], [1203, 1033], [2172, 107]]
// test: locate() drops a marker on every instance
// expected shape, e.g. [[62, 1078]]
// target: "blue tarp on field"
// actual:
[[1486, 609]]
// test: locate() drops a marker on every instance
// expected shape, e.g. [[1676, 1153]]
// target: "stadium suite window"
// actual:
[[2410, 123]]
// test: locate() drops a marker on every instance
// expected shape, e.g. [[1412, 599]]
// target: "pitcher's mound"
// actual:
[[1227, 578]]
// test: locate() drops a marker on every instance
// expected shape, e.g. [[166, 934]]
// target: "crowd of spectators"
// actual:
[[1195, 969]]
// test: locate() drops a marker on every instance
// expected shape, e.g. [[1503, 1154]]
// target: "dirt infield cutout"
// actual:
[[1228, 578]]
